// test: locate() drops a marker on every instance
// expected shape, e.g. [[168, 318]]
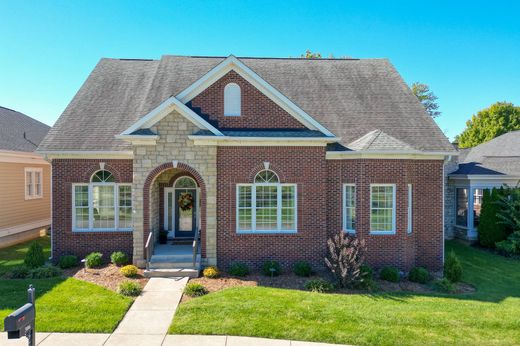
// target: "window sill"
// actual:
[[97, 230], [28, 198], [382, 232], [268, 232], [350, 231]]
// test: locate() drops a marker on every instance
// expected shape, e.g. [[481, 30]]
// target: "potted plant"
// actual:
[[163, 237]]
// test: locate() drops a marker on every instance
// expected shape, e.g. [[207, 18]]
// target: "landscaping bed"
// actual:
[[108, 276]]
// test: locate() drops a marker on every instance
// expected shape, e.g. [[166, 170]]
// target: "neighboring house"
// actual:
[[492, 164], [25, 179], [265, 158]]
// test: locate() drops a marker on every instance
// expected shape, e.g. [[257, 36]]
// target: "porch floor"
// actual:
[[170, 250]]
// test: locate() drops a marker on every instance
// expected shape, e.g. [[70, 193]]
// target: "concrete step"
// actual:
[[174, 258], [170, 273], [170, 265]]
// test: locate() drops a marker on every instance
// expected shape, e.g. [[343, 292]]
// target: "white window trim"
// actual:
[[231, 101], [91, 213], [279, 229], [345, 229], [379, 232], [409, 224], [33, 170]]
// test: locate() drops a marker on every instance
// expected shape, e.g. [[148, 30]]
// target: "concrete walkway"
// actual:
[[67, 339]]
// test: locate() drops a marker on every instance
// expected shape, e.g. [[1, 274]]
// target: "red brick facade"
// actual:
[[65, 172], [258, 111]]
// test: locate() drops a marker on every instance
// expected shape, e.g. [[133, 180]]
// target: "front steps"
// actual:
[[173, 261]]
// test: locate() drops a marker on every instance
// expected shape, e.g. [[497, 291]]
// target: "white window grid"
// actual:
[[379, 196], [33, 183], [349, 208]]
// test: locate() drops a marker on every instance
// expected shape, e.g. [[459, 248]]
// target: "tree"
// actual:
[[490, 229], [310, 55], [427, 98], [499, 118]]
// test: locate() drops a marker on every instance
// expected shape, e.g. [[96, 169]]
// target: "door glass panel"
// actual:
[[186, 202], [169, 211]]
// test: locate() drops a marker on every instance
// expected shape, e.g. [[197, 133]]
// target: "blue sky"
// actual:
[[468, 52]]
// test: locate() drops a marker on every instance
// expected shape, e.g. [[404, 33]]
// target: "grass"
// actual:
[[62, 305], [13, 256], [489, 316]]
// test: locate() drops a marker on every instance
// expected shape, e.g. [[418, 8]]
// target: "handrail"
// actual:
[[149, 250], [195, 246]]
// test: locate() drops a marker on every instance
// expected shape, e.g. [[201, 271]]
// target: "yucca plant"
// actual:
[[346, 255]]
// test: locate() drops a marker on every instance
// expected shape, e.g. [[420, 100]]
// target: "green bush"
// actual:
[[319, 285], [94, 259], [193, 289], [211, 272], [490, 229], [419, 275], [452, 268], [239, 269], [367, 279], [390, 274], [119, 258], [19, 272], [445, 285], [68, 261], [366, 271], [271, 268], [34, 257], [302, 268], [510, 246], [44, 272], [129, 271], [129, 288]]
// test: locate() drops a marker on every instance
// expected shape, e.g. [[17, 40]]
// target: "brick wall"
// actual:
[[258, 111], [423, 247], [304, 166], [65, 172]]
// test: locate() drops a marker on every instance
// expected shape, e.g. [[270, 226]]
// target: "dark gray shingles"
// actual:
[[348, 97], [13, 125]]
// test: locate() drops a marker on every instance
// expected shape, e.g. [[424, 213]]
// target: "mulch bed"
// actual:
[[291, 281], [107, 276]]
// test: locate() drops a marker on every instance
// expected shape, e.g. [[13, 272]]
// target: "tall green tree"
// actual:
[[490, 229], [310, 55], [491, 122], [427, 98]]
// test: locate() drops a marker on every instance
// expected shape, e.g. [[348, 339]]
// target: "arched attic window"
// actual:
[[102, 177], [232, 100]]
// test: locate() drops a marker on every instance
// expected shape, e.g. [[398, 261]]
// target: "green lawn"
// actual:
[[13, 256], [489, 316], [62, 305]]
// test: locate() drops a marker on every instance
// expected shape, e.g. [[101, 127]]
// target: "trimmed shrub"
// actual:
[[445, 285], [271, 268], [419, 275], [129, 271], [346, 255], [119, 258], [302, 268], [194, 289], [44, 272], [319, 286], [390, 274], [19, 272], [34, 257], [239, 269], [452, 268], [366, 271], [68, 261], [129, 288], [94, 259], [490, 229], [211, 272], [367, 279]]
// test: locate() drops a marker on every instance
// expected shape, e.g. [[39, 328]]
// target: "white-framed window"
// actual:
[[410, 208], [349, 208], [266, 206], [232, 100], [382, 209], [33, 183], [101, 205]]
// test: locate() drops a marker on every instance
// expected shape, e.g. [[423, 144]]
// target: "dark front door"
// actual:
[[185, 213]]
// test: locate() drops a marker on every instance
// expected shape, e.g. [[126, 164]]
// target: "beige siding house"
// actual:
[[25, 179]]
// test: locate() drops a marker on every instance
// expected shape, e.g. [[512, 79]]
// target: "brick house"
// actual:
[[247, 159]]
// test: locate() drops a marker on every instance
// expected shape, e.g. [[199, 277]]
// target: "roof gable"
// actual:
[[378, 140], [20, 132]]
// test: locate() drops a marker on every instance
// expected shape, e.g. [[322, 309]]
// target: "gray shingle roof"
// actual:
[[13, 126], [378, 140], [499, 156], [348, 97]]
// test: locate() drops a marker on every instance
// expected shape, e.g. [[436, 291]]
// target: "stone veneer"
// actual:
[[173, 144]]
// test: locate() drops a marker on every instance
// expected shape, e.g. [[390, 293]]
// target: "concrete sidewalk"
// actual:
[[68, 339]]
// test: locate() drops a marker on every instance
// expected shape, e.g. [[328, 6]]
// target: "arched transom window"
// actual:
[[185, 183], [266, 206], [102, 205], [232, 100]]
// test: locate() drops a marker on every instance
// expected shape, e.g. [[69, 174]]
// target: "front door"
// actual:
[[185, 213]]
